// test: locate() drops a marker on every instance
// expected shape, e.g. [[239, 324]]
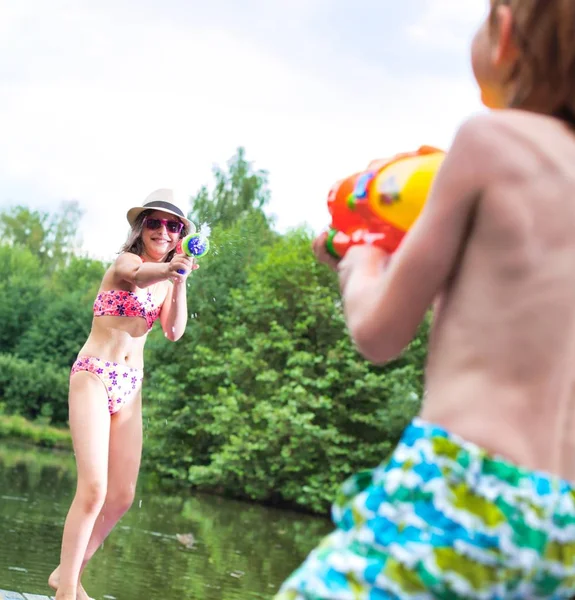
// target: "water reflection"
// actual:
[[170, 546]]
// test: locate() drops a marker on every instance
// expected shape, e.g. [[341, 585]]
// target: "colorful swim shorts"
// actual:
[[442, 518], [121, 382]]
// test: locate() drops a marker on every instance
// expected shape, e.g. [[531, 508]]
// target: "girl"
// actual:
[[477, 500], [147, 282]]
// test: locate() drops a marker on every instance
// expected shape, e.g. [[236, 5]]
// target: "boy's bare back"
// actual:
[[501, 369], [495, 245]]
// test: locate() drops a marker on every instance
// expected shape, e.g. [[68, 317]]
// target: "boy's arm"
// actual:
[[385, 302]]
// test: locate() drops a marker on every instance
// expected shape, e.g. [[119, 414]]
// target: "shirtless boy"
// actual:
[[477, 500]]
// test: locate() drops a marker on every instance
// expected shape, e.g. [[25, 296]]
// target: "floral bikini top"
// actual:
[[121, 303]]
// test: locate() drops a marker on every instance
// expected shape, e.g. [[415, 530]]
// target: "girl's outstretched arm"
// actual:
[[131, 268], [174, 315]]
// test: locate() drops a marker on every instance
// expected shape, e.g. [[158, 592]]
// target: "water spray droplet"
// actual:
[[205, 231]]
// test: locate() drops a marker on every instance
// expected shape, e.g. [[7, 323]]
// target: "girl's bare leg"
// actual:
[[90, 429], [123, 467]]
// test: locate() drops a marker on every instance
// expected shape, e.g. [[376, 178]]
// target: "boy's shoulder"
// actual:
[[514, 124], [489, 127], [507, 138], [483, 132], [481, 144]]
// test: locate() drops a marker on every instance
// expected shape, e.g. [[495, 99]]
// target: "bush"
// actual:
[[36, 389], [39, 434]]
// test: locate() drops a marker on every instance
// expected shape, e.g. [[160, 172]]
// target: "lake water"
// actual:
[[169, 546]]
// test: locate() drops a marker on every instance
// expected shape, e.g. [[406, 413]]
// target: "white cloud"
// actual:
[[105, 110]]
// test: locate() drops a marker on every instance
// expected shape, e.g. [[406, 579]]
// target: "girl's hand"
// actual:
[[181, 262], [321, 253]]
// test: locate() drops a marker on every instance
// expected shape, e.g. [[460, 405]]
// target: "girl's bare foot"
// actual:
[[67, 595], [54, 579], [54, 582], [82, 594]]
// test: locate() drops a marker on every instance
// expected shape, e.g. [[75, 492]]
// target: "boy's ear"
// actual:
[[504, 51]]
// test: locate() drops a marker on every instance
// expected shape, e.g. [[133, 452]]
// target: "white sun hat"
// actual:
[[161, 199]]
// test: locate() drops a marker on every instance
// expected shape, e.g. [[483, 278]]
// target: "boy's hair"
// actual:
[[543, 77], [135, 244]]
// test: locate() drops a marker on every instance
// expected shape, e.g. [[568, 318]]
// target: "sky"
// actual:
[[104, 101]]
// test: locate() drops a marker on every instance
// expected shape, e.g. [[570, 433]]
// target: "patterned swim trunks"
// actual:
[[443, 518], [121, 382]]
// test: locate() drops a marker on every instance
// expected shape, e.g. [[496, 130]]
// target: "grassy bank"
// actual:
[[18, 428]]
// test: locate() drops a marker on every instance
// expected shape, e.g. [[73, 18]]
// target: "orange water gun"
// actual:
[[379, 205]]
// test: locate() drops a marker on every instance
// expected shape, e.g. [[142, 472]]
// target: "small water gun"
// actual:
[[193, 244], [379, 205]]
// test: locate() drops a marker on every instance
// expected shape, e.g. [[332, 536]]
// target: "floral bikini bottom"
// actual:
[[121, 382]]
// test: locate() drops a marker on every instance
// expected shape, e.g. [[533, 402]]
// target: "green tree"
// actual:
[[52, 237], [80, 275], [22, 294], [238, 191], [34, 389], [58, 332], [240, 233], [279, 406]]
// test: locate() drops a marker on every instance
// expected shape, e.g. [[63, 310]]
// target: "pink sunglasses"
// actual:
[[172, 226]]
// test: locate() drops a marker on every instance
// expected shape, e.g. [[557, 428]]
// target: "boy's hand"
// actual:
[[367, 257], [321, 253], [364, 258]]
